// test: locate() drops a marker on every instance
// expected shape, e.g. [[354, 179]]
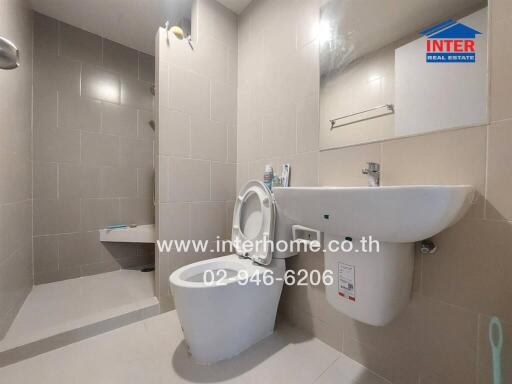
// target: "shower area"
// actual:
[[77, 186]]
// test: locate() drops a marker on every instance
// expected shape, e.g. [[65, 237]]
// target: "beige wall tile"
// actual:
[[232, 144], [308, 122], [121, 59], [54, 145], [144, 128], [100, 84], [79, 113], [99, 149], [249, 138], [342, 167], [189, 92], [98, 213], [472, 251], [76, 249], [207, 221], [79, 181], [45, 181], [279, 136], [136, 93], [145, 183], [189, 180], [46, 254], [501, 61], [208, 139], [146, 68], [118, 182], [137, 211], [57, 73], [210, 59], [136, 152], [56, 216], [223, 102], [223, 181], [174, 133], [499, 178], [453, 157], [118, 120], [80, 45]]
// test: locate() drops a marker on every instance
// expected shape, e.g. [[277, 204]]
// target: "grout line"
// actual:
[[486, 181]]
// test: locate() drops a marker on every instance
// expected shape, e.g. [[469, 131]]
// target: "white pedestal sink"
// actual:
[[373, 286]]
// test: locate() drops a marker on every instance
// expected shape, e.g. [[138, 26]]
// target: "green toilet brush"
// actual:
[[496, 340]]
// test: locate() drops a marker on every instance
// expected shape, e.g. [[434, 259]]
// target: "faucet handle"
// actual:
[[372, 167]]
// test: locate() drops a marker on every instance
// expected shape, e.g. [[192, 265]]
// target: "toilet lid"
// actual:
[[253, 223]]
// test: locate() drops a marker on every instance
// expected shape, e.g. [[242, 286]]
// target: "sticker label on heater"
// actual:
[[347, 281]]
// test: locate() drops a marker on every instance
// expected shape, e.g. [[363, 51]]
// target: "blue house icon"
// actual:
[[450, 29]]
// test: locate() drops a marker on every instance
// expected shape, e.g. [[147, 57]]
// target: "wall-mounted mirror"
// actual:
[[394, 68]]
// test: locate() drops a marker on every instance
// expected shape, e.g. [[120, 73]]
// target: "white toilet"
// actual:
[[220, 321]]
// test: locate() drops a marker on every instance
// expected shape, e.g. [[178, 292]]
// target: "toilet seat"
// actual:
[[253, 223]]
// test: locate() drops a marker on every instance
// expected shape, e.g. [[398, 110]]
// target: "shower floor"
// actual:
[[79, 308]]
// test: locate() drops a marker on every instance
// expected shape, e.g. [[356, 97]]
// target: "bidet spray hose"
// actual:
[[496, 340]]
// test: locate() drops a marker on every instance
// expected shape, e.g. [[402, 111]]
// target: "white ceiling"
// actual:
[[129, 22], [236, 6]]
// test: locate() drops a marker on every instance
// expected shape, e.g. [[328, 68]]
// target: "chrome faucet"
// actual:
[[373, 172]]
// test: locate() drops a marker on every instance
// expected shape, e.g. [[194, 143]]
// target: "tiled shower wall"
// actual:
[[93, 150], [15, 164], [442, 336], [196, 134]]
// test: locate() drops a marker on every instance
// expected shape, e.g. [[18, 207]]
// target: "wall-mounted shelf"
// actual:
[[139, 234]]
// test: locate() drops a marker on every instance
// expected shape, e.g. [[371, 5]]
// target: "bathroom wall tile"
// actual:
[[453, 157], [136, 93], [76, 249], [162, 176], [80, 45], [218, 22], [249, 138], [79, 113], [230, 208], [174, 133], [118, 182], [45, 108], [56, 216], [500, 9], [54, 73], [174, 221], [16, 279], [162, 84], [144, 129], [136, 152], [242, 175], [115, 251], [308, 121], [121, 59], [501, 77], [207, 220], [448, 342], [232, 144], [100, 84], [210, 59], [16, 226], [223, 102], [96, 268], [342, 167], [53, 145], [98, 213], [306, 22], [46, 254], [61, 274], [485, 362], [223, 181], [99, 149], [499, 180], [208, 139], [45, 181], [118, 120], [189, 92], [398, 366], [79, 181], [137, 211], [189, 180], [279, 135], [472, 250], [304, 169], [146, 68], [145, 183], [46, 39]]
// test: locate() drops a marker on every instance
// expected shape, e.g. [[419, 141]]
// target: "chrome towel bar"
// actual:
[[390, 108]]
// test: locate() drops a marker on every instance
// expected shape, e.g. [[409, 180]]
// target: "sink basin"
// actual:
[[372, 285], [396, 214]]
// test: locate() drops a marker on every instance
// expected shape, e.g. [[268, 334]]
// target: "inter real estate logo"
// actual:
[[451, 42]]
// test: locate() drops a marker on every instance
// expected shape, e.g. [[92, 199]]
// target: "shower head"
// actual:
[[9, 55], [178, 32]]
